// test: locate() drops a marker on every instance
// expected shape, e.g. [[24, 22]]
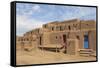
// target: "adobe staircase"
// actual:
[[87, 52]]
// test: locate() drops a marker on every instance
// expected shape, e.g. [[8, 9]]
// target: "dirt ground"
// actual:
[[38, 56]]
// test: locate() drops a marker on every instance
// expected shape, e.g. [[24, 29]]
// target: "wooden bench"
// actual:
[[85, 52]]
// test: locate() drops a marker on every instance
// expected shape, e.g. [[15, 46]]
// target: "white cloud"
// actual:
[[79, 12], [36, 8], [33, 9], [25, 24], [27, 9]]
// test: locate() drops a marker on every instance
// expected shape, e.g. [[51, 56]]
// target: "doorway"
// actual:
[[64, 38], [86, 42]]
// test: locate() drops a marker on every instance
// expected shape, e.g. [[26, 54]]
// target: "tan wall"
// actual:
[[88, 25], [81, 40], [64, 26], [50, 37], [92, 40], [18, 46], [46, 38], [71, 48], [55, 38]]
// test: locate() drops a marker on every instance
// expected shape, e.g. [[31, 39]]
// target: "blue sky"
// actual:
[[30, 16]]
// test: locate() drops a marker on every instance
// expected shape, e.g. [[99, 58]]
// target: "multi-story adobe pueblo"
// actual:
[[75, 32]]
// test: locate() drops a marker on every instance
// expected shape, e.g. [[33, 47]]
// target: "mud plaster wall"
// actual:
[[71, 47], [56, 38], [92, 40], [49, 36], [88, 25]]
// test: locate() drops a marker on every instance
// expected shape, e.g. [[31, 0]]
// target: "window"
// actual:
[[77, 37], [31, 32], [87, 24], [69, 27], [56, 37], [45, 26], [74, 25], [52, 28], [21, 39], [27, 39], [64, 38], [60, 28]]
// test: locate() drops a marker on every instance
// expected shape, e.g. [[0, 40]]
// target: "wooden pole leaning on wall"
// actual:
[[56, 48], [42, 49]]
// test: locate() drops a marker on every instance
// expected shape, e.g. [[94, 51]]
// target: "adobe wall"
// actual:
[[89, 25], [46, 38], [56, 38], [90, 28], [74, 29], [92, 40], [71, 47]]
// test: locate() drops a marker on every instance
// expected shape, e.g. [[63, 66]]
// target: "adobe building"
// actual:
[[79, 34]]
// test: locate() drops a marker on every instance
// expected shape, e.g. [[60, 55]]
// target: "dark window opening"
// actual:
[[69, 27], [27, 39], [45, 26], [52, 28], [77, 37], [60, 28], [75, 25], [64, 38], [56, 37]]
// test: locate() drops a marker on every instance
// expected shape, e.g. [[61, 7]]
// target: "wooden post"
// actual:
[[56, 48]]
